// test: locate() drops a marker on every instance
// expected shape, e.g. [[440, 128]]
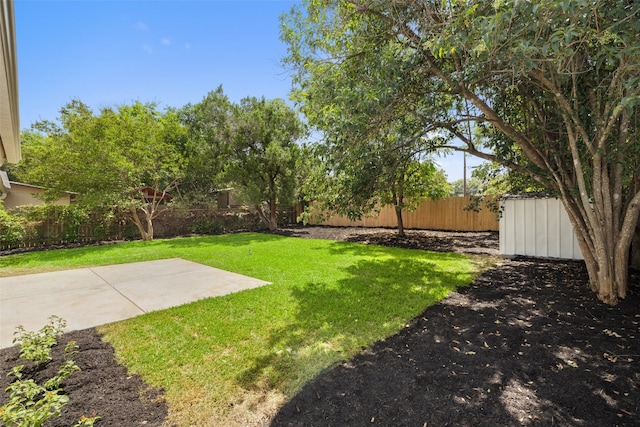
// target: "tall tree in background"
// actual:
[[558, 81], [264, 155], [409, 180], [109, 158], [207, 150], [366, 177]]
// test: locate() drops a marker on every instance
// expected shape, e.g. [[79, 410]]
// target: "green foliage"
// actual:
[[53, 225], [250, 146], [32, 142], [552, 89], [376, 149], [524, 68], [107, 157], [496, 180], [36, 345], [264, 154], [12, 229], [474, 186], [206, 226], [31, 404], [43, 225], [206, 152], [360, 179], [68, 219]]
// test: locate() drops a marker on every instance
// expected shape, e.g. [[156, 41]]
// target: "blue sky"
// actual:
[[109, 52]]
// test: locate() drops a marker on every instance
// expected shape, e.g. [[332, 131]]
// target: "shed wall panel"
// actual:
[[538, 228]]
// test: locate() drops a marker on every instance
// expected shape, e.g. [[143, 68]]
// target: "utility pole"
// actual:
[[464, 174]]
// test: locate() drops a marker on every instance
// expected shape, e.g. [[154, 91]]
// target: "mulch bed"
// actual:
[[525, 344], [102, 387]]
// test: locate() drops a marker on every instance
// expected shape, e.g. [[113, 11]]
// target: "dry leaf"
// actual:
[[611, 333]]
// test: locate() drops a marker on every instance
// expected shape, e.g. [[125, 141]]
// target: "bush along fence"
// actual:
[[53, 225]]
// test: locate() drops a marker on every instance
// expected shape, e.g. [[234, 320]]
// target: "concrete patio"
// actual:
[[94, 296]]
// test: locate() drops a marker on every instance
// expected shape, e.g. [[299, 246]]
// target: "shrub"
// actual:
[[67, 218], [31, 404], [12, 229]]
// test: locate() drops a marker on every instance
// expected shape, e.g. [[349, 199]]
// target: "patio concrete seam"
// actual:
[[118, 291]]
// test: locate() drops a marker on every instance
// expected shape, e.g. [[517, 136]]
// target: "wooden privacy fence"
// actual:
[[444, 214], [56, 230]]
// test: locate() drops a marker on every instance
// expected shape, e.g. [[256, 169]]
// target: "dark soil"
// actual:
[[525, 344], [102, 387], [441, 241]]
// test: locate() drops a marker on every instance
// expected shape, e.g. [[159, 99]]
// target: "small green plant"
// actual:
[[31, 404], [36, 345]]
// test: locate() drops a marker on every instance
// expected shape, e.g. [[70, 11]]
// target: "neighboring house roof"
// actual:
[[20, 194], [9, 118], [532, 195], [150, 194], [37, 187]]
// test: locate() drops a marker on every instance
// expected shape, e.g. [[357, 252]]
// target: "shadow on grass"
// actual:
[[372, 300], [526, 344], [228, 239]]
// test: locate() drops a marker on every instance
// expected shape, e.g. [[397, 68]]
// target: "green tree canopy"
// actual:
[[474, 187], [108, 158], [264, 155], [556, 85], [207, 150], [366, 177]]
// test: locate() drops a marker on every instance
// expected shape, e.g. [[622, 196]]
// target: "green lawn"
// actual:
[[233, 360]]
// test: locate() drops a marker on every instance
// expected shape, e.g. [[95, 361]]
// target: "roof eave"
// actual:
[[9, 112]]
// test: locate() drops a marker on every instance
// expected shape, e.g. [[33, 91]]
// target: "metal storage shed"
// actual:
[[537, 226]]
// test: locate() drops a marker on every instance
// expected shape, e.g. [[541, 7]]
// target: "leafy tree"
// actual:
[[406, 180], [556, 83], [206, 151], [495, 180], [30, 140], [264, 155], [361, 180], [474, 186], [108, 159]]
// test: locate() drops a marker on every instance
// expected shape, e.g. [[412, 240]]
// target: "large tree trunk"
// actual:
[[151, 210], [635, 250], [145, 234], [400, 220], [149, 227], [591, 187], [273, 215], [270, 221], [605, 247]]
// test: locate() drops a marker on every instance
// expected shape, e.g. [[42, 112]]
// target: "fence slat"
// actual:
[[444, 214]]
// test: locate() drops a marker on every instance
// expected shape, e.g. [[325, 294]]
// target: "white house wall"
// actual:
[[537, 227], [9, 120]]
